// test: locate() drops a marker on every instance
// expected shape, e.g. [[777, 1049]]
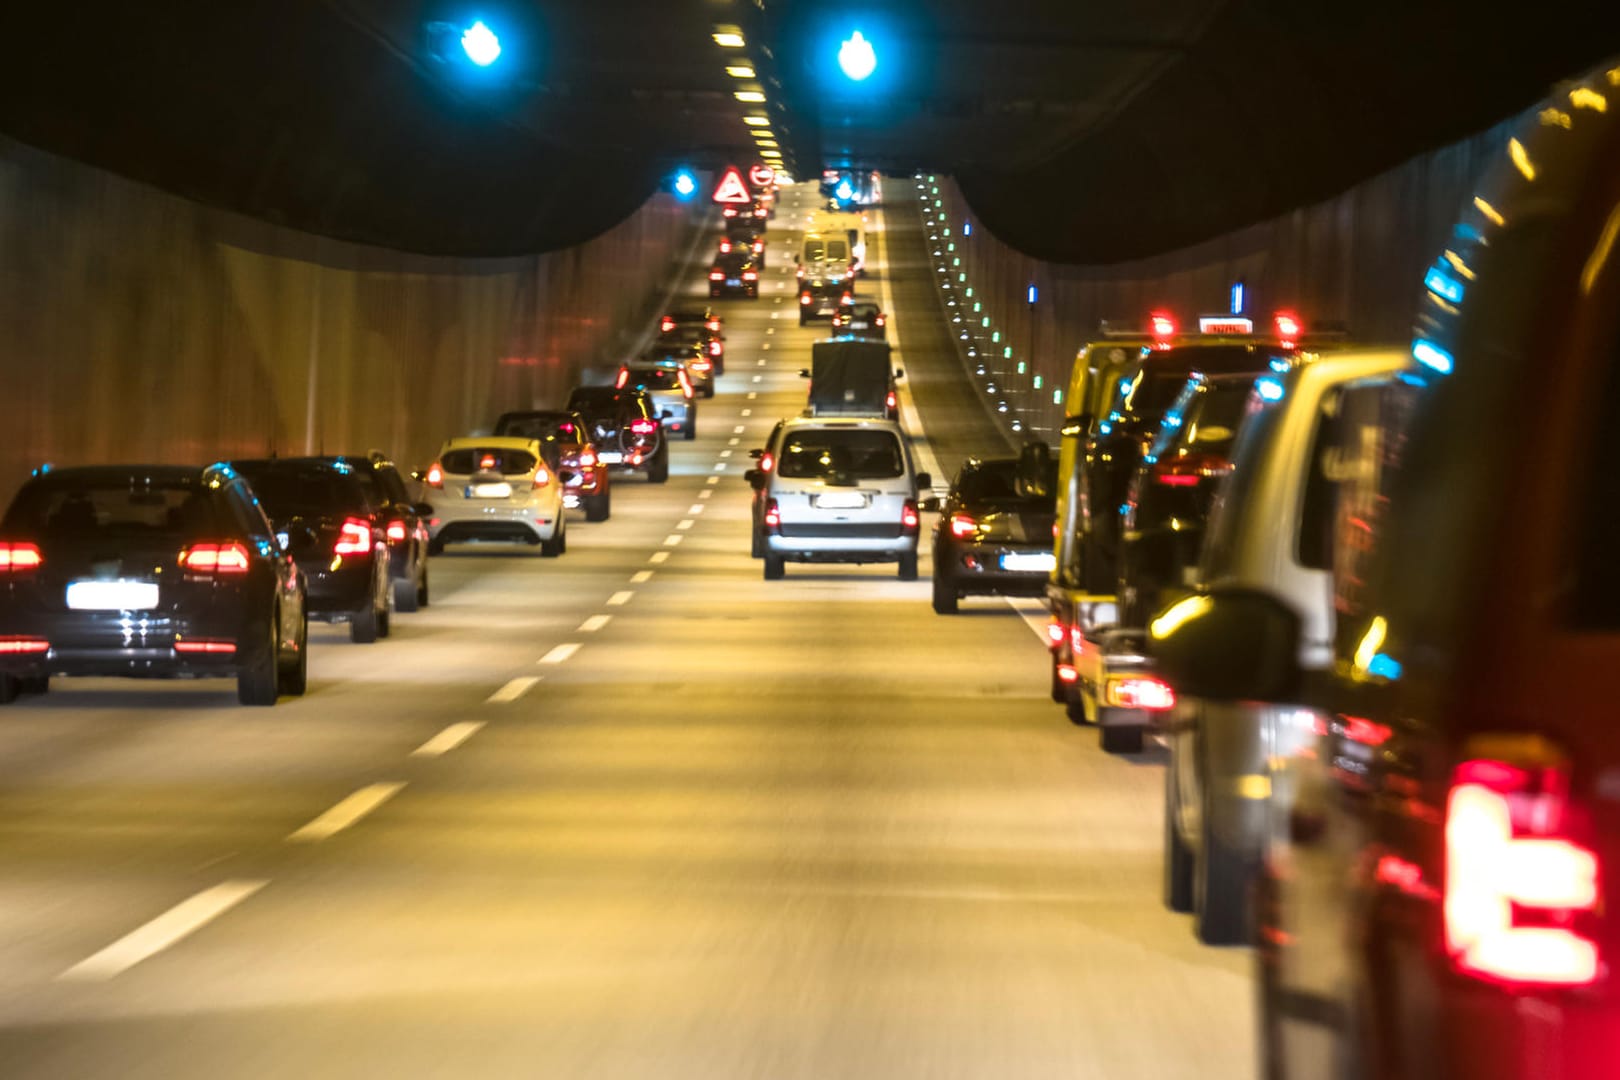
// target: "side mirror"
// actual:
[[899, 374], [755, 478], [1229, 644], [756, 453], [924, 481], [804, 373], [417, 475], [423, 509], [929, 504], [1075, 426]]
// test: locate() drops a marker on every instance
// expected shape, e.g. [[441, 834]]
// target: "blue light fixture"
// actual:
[[1033, 294], [967, 228], [1443, 285], [1432, 356], [1237, 298], [845, 190], [857, 57], [1269, 389], [481, 45], [685, 184]]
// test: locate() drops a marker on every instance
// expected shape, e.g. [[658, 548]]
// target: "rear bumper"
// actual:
[[976, 569], [134, 646], [496, 524], [830, 544], [335, 593]]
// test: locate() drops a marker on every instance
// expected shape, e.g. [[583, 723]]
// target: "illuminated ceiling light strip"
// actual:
[[740, 71], [1489, 211], [728, 37], [1521, 159], [749, 95], [756, 121]]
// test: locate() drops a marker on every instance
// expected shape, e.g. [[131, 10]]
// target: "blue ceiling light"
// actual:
[[1237, 298], [856, 57], [1033, 294], [1432, 356], [967, 228], [685, 184], [845, 190], [481, 45]]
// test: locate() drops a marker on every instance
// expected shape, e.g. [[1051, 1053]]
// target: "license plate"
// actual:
[[841, 500], [112, 595], [733, 281], [609, 457], [501, 490], [859, 324], [1029, 560]]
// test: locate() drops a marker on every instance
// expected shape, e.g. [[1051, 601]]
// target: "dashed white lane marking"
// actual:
[[673, 540], [714, 479], [752, 394], [641, 577], [684, 524], [733, 441], [562, 652], [720, 466], [776, 314], [696, 508], [705, 493], [770, 329], [767, 348], [448, 739], [762, 361], [621, 598], [658, 557], [347, 812], [725, 453], [594, 623], [739, 429], [759, 378], [176, 924], [747, 412], [512, 690]]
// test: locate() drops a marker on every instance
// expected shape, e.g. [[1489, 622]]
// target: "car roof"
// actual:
[[117, 472], [844, 422], [489, 442]]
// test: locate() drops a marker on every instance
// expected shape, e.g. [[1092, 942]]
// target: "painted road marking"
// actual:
[[176, 924], [512, 690], [685, 523], [696, 508], [705, 493], [347, 812], [562, 652], [733, 441], [448, 739], [762, 361], [714, 479], [720, 466], [619, 599], [594, 623], [673, 539], [747, 412], [739, 429], [726, 453], [752, 394], [641, 577], [658, 557], [759, 378]]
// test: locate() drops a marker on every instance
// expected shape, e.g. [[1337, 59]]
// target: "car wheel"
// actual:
[[719, 368], [34, 684], [1178, 860], [756, 546], [385, 609], [1060, 690], [775, 567], [363, 625], [1222, 875], [435, 547], [422, 588], [550, 549], [1120, 739], [908, 566], [406, 595], [802, 320], [256, 683], [1074, 707], [293, 678], [708, 391], [658, 467], [10, 687], [944, 596], [597, 507]]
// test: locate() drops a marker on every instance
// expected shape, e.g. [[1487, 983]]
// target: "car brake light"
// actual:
[[1169, 479], [846, 298], [1141, 692], [882, 319], [963, 526], [890, 400], [1067, 673], [487, 461], [1163, 327], [804, 298], [204, 646], [587, 460], [749, 275], [17, 556], [435, 476], [758, 247], [1514, 877], [1288, 327], [643, 426], [207, 558], [713, 324], [354, 538], [717, 275], [396, 532], [715, 348], [666, 324], [1055, 632], [702, 365], [16, 646], [908, 516], [542, 476], [766, 462], [624, 377], [773, 514], [725, 247]]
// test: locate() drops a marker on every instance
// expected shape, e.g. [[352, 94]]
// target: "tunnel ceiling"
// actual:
[[1080, 130]]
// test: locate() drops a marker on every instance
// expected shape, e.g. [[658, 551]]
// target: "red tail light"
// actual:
[[1516, 880], [354, 538], [587, 460], [666, 324], [725, 247], [396, 532], [205, 646], [846, 298], [1067, 673], [624, 377], [702, 365], [686, 384], [749, 275], [882, 320], [23, 646], [715, 348], [1162, 326], [804, 298], [1177, 479], [713, 324], [435, 476], [908, 516], [799, 273], [1055, 632], [890, 400], [1288, 327], [487, 461], [766, 462], [542, 477], [644, 427], [1188, 470], [1141, 692], [17, 556], [773, 515], [758, 247], [717, 275], [230, 558], [963, 526]]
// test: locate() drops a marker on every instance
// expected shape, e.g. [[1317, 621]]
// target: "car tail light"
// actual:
[[715, 348], [17, 556], [1170, 479], [882, 320], [804, 298], [717, 275], [766, 462], [758, 247], [209, 558], [205, 646], [1188, 470], [702, 365], [963, 526], [890, 401], [1516, 876], [1055, 631], [666, 324], [1288, 327], [396, 532], [587, 459], [644, 426], [908, 516], [487, 461], [1067, 673], [749, 275], [354, 537], [542, 476], [846, 298], [23, 646], [1163, 327], [435, 476], [799, 273], [624, 377], [1077, 639], [1140, 692], [725, 247], [712, 324], [773, 514]]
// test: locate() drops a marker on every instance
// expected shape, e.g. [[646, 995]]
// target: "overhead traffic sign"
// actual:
[[761, 175], [731, 188]]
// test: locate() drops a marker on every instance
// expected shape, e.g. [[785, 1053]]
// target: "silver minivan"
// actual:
[[841, 490], [1260, 535]]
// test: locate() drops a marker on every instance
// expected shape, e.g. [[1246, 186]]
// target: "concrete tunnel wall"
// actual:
[[1357, 259], [135, 325]]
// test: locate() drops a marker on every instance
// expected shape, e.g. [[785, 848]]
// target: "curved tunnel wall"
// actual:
[[1356, 259], [138, 325]]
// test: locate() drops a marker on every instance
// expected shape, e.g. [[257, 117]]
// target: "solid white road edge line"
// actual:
[[176, 924], [347, 812]]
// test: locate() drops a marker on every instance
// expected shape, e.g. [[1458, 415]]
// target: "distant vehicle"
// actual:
[[691, 332], [584, 473], [752, 245], [820, 293], [994, 535], [851, 228], [842, 490], [501, 490], [669, 386], [624, 428], [734, 274], [147, 571], [323, 518], [860, 318], [404, 524], [853, 377], [765, 462]]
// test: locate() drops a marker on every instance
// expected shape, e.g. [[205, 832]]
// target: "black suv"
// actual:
[[404, 524], [322, 517], [994, 535], [625, 429]]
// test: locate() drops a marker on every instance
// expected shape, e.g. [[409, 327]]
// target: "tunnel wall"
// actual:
[[139, 326], [1357, 259]]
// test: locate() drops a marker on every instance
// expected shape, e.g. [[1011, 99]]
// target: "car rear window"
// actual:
[[469, 460], [662, 378], [997, 482], [113, 507], [848, 452], [288, 490], [538, 426], [1210, 422]]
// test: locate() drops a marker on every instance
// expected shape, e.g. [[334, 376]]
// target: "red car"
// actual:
[[585, 474]]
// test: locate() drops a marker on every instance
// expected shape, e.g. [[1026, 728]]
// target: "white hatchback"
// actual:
[[496, 489]]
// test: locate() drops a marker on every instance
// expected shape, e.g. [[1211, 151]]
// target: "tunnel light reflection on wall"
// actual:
[[856, 57]]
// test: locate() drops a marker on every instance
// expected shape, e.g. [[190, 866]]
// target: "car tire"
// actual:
[[422, 596], [435, 547], [1118, 739], [756, 542], [293, 679], [908, 567], [1060, 690], [1178, 860], [775, 567], [658, 467], [550, 549], [256, 683], [385, 610], [598, 507], [34, 684], [1221, 880], [944, 596], [802, 320], [406, 595], [10, 687], [719, 367], [363, 625], [691, 430]]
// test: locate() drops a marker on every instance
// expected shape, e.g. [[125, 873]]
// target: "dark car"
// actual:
[[994, 536], [710, 345], [751, 243], [734, 274], [585, 474], [319, 508], [1437, 895], [624, 429], [404, 524], [147, 571], [822, 287], [1170, 496], [860, 318], [670, 352]]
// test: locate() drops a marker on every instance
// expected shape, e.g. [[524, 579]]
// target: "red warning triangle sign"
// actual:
[[731, 188]]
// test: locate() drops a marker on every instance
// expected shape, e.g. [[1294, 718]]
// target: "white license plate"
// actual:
[[112, 595], [859, 324], [841, 500], [1030, 560], [609, 457], [501, 490]]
